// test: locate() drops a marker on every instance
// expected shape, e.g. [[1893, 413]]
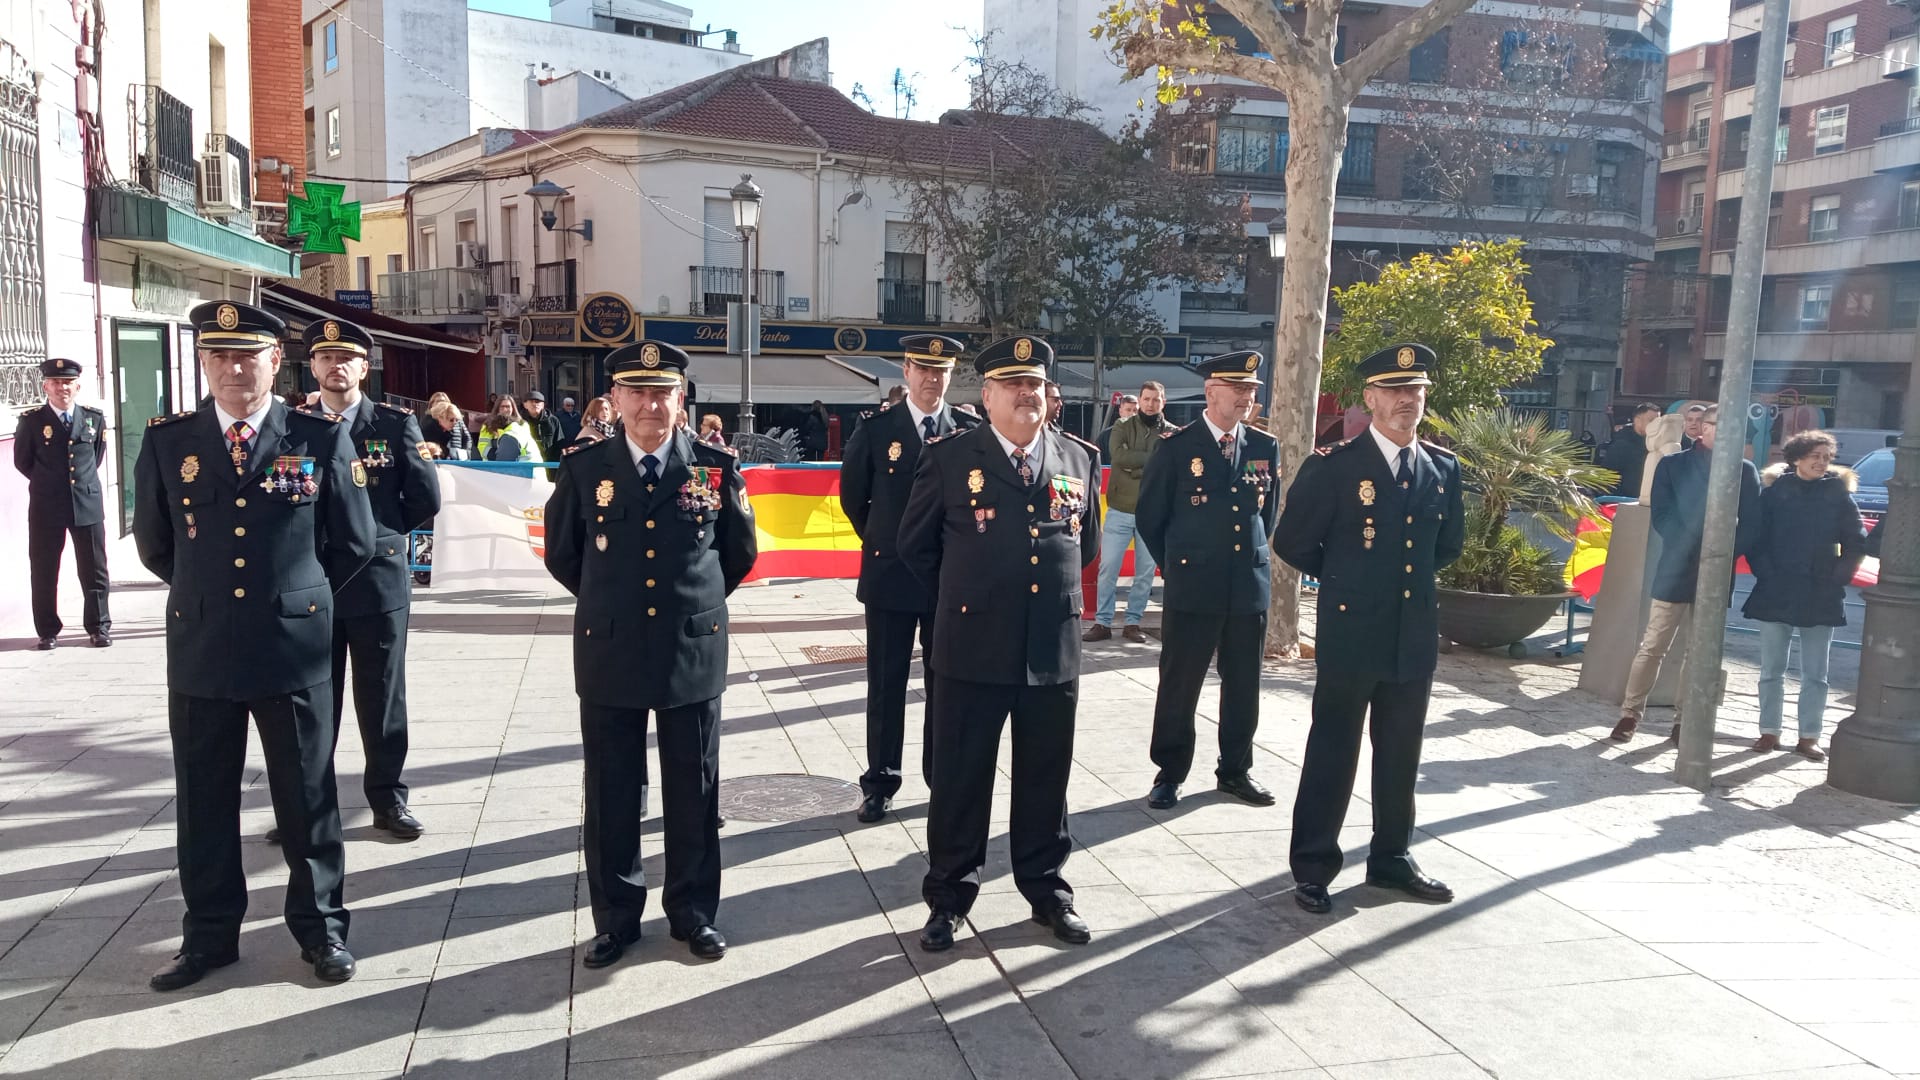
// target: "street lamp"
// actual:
[[546, 195], [746, 219], [1277, 250]]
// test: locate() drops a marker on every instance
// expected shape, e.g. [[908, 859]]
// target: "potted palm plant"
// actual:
[[1514, 468]]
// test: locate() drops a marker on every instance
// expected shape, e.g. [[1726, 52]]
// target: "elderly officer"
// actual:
[[1001, 520], [1207, 510], [58, 447], [1374, 519], [876, 473], [254, 515], [370, 612], [651, 531]]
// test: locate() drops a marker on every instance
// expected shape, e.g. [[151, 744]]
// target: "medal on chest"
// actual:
[[376, 455], [291, 476], [702, 489]]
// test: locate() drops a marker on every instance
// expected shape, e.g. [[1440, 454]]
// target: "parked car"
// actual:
[[1874, 471]]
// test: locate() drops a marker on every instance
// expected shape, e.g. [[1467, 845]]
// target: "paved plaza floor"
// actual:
[[1609, 922]]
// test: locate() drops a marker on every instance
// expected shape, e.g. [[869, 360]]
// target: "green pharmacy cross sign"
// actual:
[[323, 219]]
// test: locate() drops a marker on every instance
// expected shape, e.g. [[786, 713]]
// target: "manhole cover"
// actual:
[[835, 654], [785, 797]]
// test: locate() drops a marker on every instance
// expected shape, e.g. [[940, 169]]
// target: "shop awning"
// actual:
[[139, 220], [883, 371], [785, 380], [300, 308]]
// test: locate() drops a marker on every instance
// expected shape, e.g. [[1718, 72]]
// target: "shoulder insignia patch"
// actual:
[[1436, 448], [392, 408], [158, 420], [573, 449]]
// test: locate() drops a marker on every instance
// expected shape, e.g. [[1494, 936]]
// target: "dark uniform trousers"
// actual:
[[46, 542], [1190, 639], [1395, 714], [614, 741], [378, 645], [889, 662]]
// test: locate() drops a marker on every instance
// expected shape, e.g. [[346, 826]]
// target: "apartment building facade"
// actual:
[[1840, 300]]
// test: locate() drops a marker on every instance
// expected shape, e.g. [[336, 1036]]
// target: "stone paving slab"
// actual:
[[1610, 923]]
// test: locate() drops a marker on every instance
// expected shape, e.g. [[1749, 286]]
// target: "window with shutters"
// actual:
[[1830, 129], [1840, 40], [23, 315]]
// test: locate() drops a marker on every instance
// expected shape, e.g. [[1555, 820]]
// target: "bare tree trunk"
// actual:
[[1319, 139], [1099, 381]]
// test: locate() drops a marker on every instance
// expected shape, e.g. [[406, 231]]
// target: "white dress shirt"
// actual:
[[1391, 450], [1033, 449]]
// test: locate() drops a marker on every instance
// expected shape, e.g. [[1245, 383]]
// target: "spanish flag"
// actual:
[[802, 531], [1587, 565]]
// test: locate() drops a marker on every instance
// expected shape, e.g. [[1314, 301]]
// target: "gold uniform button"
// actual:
[[589, 631], [650, 523], [186, 502], [1409, 568], [1236, 509], [649, 583], [241, 503], [963, 609], [716, 626], [1236, 528], [1029, 508], [650, 611], [1033, 531], [1033, 588], [1034, 559], [1409, 519], [1236, 547], [239, 594], [312, 608], [240, 564], [1407, 593], [598, 517], [389, 551], [239, 530], [649, 553], [1343, 607], [1409, 543]]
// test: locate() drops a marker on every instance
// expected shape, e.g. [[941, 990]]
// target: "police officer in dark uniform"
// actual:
[[999, 525], [1207, 508], [370, 612], [1374, 519], [652, 532], [255, 515], [876, 473], [58, 447]]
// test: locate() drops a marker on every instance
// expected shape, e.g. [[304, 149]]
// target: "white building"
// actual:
[[391, 79]]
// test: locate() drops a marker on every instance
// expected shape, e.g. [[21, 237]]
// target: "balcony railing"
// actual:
[[503, 283], [1900, 127], [1684, 142], [554, 286], [160, 127], [910, 301], [1197, 300], [714, 287], [450, 290]]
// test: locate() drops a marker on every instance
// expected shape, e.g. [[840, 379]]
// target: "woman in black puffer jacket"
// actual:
[[1810, 543]]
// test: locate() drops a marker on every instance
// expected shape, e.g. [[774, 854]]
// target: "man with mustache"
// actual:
[[1374, 519]]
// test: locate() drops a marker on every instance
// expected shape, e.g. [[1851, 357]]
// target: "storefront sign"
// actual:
[[161, 289], [361, 299], [607, 318], [549, 329]]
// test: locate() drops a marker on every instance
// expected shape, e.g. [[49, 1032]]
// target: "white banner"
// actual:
[[489, 533]]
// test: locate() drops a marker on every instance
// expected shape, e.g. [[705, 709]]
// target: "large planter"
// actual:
[[1490, 620]]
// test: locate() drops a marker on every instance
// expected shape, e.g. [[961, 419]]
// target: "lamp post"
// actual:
[[746, 219], [546, 196], [1277, 250]]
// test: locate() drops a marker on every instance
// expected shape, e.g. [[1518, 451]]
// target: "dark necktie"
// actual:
[[652, 475], [237, 437], [1020, 466], [1226, 445], [1405, 475], [926, 429]]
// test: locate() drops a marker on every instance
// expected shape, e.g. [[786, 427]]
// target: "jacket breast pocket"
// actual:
[[706, 623], [304, 603]]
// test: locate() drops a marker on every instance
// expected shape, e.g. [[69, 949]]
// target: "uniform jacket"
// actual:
[[404, 489], [1627, 455], [62, 464], [1208, 521], [1376, 550], [1003, 560], [652, 570], [1679, 512], [876, 474], [252, 571], [1132, 443], [1809, 543]]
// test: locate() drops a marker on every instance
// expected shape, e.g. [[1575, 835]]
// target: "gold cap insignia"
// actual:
[[1366, 493], [189, 468], [1404, 357], [650, 356], [1197, 467], [936, 346], [331, 331], [1023, 349], [1253, 362], [228, 316]]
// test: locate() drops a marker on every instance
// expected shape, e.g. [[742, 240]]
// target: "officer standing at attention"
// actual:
[[58, 448], [876, 473], [1001, 521], [1374, 519], [254, 515], [651, 531], [370, 612], [1207, 508]]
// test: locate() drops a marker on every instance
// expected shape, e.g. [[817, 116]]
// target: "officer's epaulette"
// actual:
[[726, 454], [1437, 449], [392, 408], [1324, 451], [574, 448], [311, 413], [159, 420], [942, 437]]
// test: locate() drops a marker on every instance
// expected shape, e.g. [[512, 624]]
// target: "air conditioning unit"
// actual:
[[469, 253], [1643, 91], [222, 185], [1583, 184], [1683, 225], [512, 305]]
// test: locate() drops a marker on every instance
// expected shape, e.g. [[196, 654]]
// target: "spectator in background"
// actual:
[[445, 429], [506, 437], [1129, 406], [1133, 440], [569, 417], [711, 431], [544, 425], [1809, 543], [598, 421], [896, 394], [813, 432], [1627, 453], [1696, 416]]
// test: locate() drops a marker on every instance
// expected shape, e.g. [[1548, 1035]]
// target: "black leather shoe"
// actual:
[[705, 942], [873, 808], [1067, 925], [400, 822], [188, 968], [273, 835], [1419, 886], [46, 644], [1163, 795], [100, 639], [1313, 899], [1247, 790], [331, 962], [937, 935], [607, 949]]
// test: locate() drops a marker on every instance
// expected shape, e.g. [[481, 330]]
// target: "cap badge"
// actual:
[[1023, 349], [1404, 357], [1366, 493], [650, 356], [936, 346], [332, 331], [228, 316], [1253, 362]]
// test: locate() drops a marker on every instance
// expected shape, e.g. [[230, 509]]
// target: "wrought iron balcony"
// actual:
[[910, 301], [160, 131], [450, 290], [555, 287], [714, 287]]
